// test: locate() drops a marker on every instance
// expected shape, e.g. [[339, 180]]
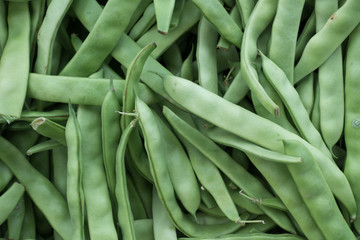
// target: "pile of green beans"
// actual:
[[179, 119]]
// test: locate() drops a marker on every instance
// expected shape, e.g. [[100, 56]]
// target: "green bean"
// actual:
[[163, 227], [124, 214], [59, 169], [316, 193], [57, 115], [97, 199], [214, 211], [23, 140], [261, 17], [46, 36], [79, 90], [38, 187], [267, 134], [218, 16], [206, 55], [227, 165], [3, 26], [154, 143], [330, 77], [351, 130], [49, 129], [186, 70], [237, 89], [110, 135], [28, 230], [74, 185], [16, 219], [293, 103], [245, 9], [43, 146], [190, 17], [107, 30], [307, 32], [305, 90], [163, 11], [5, 175], [284, 32], [234, 141], [181, 173], [319, 48], [281, 120], [144, 229], [13, 84], [204, 218], [206, 197], [177, 13], [235, 15], [144, 23], [9, 200], [245, 203], [110, 73]]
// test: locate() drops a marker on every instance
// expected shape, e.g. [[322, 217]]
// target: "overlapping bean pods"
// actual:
[[181, 119]]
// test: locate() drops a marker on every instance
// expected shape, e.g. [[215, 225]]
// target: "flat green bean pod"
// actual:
[[254, 129], [253, 236], [124, 214], [153, 143], [163, 11], [13, 84], [43, 146], [39, 188], [9, 199], [261, 17], [317, 194], [218, 16], [80, 90], [74, 185]]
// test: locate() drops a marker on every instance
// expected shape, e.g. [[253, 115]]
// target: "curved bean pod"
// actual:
[[9, 199], [320, 47], [316, 193], [261, 17], [39, 188], [253, 128]]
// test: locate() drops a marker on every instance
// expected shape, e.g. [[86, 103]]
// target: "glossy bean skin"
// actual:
[[163, 11], [162, 180], [39, 189], [227, 165], [46, 36], [79, 90], [319, 48], [330, 77], [206, 55], [107, 30], [225, 25], [284, 33], [316, 193], [17, 47], [351, 130], [9, 200], [74, 182], [185, 93], [261, 17], [124, 213], [96, 193]]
